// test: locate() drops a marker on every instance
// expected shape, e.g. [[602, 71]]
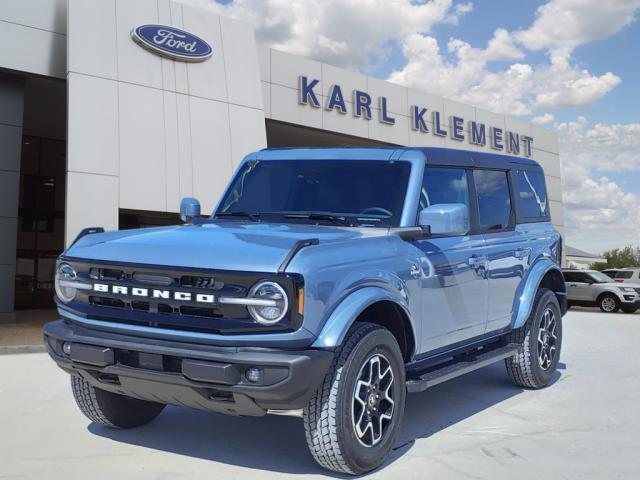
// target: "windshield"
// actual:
[[345, 192], [600, 277]]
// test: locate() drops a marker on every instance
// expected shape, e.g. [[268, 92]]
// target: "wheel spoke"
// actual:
[[373, 404]]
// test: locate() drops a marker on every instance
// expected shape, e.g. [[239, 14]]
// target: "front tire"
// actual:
[[353, 419], [609, 303], [541, 341], [110, 409]]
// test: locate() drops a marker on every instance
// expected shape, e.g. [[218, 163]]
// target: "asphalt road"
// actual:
[[585, 425]]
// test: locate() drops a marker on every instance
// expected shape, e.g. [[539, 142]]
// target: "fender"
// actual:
[[523, 302], [336, 327]]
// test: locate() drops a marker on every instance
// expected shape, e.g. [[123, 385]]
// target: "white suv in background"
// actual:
[[590, 288], [628, 275]]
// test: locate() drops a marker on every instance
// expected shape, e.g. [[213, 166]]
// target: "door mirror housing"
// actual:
[[445, 219], [189, 209]]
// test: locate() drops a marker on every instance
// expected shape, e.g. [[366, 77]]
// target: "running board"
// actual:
[[468, 364]]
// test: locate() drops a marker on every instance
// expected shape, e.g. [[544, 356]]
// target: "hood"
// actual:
[[226, 245]]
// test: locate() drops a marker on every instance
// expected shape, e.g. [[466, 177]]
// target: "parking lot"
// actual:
[[585, 425]]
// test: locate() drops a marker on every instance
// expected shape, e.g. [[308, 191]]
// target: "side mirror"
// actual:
[[189, 209], [445, 219]]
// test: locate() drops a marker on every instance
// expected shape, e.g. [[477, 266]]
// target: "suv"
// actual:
[[591, 288], [326, 284], [628, 275]]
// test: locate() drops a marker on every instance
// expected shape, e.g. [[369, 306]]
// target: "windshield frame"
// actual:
[[408, 210]]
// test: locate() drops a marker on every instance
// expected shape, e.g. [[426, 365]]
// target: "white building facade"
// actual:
[[96, 130]]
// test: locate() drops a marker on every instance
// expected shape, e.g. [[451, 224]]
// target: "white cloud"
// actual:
[[565, 24], [346, 33], [545, 119], [603, 147], [599, 213]]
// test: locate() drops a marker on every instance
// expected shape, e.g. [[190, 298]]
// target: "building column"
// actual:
[[11, 109]]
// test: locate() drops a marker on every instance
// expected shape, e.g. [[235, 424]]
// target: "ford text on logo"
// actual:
[[154, 293], [172, 43]]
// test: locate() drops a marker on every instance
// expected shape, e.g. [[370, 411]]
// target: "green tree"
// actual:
[[619, 258]]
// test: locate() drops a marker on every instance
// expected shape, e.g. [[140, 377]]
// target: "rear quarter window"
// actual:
[[531, 193], [624, 275]]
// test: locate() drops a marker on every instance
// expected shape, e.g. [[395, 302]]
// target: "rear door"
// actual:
[[454, 284], [506, 253]]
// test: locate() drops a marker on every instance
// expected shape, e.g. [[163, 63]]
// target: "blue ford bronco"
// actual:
[[326, 284]]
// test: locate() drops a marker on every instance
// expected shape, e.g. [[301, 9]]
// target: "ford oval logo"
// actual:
[[172, 43]]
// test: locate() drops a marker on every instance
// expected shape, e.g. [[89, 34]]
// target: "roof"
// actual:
[[432, 155], [574, 252]]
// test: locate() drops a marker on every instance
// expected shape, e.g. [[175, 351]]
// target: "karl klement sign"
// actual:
[[477, 133]]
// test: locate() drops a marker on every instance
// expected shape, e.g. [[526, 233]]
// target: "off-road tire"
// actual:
[[110, 409], [524, 369], [615, 299], [629, 309], [327, 417]]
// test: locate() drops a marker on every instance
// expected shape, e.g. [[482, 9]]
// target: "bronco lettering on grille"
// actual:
[[153, 293]]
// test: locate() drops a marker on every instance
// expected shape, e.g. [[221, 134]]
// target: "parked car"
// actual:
[[326, 284], [611, 272], [591, 288], [628, 275]]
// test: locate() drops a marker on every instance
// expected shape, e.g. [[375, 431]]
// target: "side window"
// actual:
[[570, 276], [532, 194], [444, 185], [494, 199], [624, 275]]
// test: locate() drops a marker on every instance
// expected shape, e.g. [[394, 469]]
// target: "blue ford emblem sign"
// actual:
[[172, 43]]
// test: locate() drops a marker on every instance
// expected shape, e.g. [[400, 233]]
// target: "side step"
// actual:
[[465, 365]]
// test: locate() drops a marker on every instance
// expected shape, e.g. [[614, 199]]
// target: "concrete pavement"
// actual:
[[586, 425]]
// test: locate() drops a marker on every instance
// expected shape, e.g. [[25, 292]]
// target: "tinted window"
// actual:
[[494, 200], [532, 194], [624, 274], [571, 276], [444, 185], [366, 193]]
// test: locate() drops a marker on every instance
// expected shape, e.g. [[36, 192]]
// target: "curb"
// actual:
[[14, 349]]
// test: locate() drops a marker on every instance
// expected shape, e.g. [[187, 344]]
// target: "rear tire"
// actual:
[[346, 422], [541, 341], [110, 409], [609, 303]]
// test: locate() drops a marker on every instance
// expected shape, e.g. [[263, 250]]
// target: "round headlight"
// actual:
[[65, 275], [271, 303]]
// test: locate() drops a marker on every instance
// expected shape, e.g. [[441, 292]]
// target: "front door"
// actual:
[[579, 286], [454, 284]]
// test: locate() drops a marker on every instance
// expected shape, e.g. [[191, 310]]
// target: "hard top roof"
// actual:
[[432, 155]]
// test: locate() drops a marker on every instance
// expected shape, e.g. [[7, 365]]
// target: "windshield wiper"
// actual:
[[254, 217], [319, 216]]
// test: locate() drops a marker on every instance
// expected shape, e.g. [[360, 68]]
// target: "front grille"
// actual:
[[150, 298], [637, 290]]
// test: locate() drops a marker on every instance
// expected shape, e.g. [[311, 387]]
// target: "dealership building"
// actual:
[[104, 123]]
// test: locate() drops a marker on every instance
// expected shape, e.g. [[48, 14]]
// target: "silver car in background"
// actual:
[[591, 288], [628, 275]]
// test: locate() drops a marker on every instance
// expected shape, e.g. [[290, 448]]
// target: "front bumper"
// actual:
[[185, 374], [630, 302]]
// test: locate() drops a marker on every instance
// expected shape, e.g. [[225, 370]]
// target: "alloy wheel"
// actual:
[[373, 404], [608, 304], [547, 339]]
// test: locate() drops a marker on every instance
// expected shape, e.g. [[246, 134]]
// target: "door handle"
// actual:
[[522, 253]]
